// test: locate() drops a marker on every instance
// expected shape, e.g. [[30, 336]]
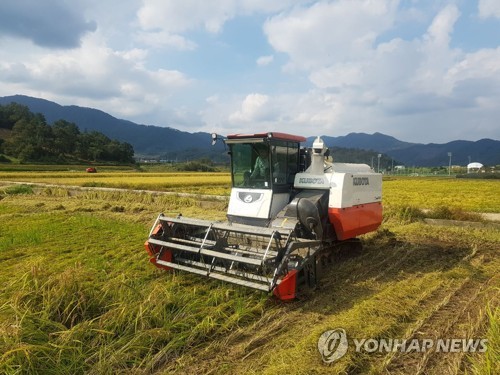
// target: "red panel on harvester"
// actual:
[[286, 290], [354, 221], [154, 251]]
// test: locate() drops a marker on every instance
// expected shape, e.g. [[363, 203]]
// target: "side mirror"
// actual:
[[214, 138]]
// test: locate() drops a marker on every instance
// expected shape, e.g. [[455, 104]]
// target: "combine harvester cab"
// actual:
[[288, 208]]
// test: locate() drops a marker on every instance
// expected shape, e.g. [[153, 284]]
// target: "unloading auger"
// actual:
[[288, 209]]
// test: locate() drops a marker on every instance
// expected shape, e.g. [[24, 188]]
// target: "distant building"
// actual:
[[474, 167]]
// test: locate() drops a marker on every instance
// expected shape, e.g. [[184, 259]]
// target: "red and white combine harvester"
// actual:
[[289, 208]]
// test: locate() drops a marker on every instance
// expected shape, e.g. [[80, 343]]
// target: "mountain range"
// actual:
[[149, 140]]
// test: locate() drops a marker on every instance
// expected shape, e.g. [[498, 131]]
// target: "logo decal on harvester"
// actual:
[[356, 181], [249, 197], [332, 345], [308, 180]]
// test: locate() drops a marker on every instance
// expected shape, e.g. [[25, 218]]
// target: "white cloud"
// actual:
[[160, 39], [482, 64], [179, 16], [489, 8], [255, 107], [436, 54], [135, 54], [442, 26], [265, 60], [338, 75], [336, 43], [302, 113], [93, 75], [374, 71], [162, 22], [329, 32], [212, 99]]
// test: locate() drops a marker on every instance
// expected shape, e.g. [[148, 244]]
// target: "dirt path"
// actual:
[[136, 191]]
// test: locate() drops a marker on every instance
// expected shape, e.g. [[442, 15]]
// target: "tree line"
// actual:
[[32, 139]]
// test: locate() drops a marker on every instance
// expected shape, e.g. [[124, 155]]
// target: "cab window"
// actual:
[[285, 159], [250, 165]]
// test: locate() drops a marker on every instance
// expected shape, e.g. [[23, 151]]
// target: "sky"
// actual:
[[424, 71]]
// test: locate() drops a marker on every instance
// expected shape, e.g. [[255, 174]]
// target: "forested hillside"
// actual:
[[28, 137]]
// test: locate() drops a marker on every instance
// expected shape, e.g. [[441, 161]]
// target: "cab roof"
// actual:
[[270, 135]]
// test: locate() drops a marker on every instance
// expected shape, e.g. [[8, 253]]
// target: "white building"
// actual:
[[474, 167]]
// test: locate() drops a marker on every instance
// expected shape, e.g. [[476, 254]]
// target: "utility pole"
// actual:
[[449, 165], [378, 167]]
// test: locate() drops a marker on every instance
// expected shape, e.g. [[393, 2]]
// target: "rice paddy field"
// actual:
[[209, 183], [78, 295]]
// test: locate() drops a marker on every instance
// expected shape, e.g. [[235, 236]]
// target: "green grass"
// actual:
[[18, 189], [489, 362], [78, 294]]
